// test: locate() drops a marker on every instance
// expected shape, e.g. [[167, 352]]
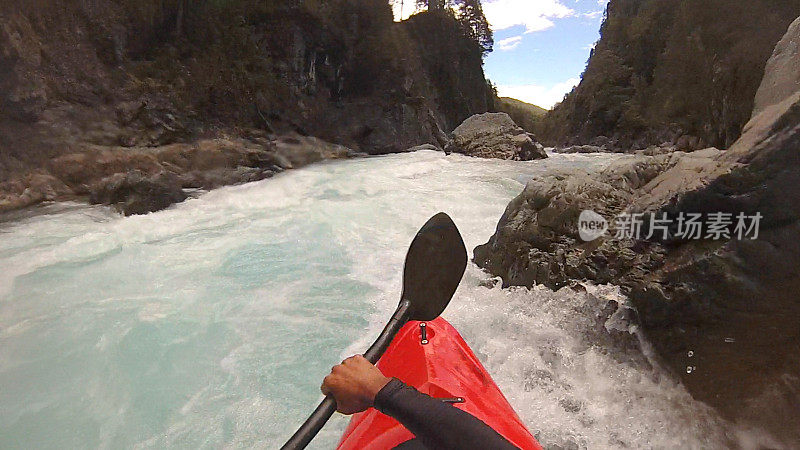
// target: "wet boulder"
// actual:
[[293, 150], [134, 192]]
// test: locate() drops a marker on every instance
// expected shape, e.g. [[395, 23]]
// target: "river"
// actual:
[[211, 324]]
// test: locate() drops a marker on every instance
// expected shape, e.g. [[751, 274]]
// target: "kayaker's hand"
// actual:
[[354, 384]]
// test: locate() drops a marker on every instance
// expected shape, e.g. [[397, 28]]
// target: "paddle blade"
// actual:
[[434, 266]]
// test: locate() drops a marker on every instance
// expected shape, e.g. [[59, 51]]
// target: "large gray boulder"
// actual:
[[537, 239], [495, 135], [782, 74]]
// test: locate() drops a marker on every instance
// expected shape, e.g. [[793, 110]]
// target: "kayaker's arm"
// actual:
[[357, 385], [438, 425]]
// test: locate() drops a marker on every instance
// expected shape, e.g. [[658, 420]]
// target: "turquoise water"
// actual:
[[212, 323]]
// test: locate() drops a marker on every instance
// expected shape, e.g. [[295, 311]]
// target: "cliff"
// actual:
[[720, 310], [121, 78], [665, 69]]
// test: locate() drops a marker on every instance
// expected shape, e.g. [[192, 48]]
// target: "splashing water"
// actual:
[[212, 323]]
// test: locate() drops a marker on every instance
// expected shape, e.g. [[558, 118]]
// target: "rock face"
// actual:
[[494, 135], [721, 314], [134, 82], [734, 302], [782, 75]]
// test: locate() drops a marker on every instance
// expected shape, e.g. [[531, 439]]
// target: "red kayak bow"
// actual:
[[433, 357]]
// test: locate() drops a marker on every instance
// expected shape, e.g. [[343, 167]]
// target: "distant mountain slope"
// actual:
[[524, 114], [666, 68]]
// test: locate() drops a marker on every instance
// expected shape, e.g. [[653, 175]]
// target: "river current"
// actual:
[[211, 324]]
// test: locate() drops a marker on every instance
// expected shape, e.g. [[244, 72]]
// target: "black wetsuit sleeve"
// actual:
[[438, 425]]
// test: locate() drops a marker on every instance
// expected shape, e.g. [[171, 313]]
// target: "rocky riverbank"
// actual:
[[135, 100], [144, 179], [721, 312]]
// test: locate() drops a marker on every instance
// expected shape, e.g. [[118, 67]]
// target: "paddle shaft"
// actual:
[[303, 436]]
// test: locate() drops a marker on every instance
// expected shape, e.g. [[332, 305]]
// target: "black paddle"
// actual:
[[434, 266]]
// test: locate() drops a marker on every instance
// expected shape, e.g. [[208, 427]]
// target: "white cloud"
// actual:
[[543, 96], [510, 43], [534, 15], [594, 14]]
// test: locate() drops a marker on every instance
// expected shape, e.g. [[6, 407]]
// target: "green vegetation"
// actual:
[[665, 68], [526, 115]]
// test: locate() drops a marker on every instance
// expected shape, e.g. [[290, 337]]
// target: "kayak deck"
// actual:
[[433, 357]]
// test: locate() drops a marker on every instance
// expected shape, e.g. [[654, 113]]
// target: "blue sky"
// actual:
[[541, 46]]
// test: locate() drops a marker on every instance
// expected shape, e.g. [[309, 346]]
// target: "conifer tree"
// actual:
[[434, 5], [470, 14]]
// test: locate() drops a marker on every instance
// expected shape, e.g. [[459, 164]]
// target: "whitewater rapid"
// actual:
[[212, 323]]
